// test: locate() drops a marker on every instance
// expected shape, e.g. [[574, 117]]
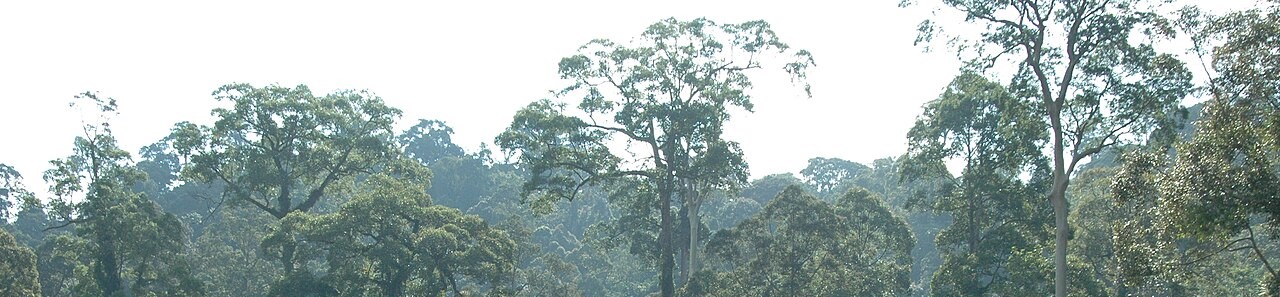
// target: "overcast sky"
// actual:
[[471, 64]]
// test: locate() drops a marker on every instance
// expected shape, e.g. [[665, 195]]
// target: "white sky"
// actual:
[[469, 64]]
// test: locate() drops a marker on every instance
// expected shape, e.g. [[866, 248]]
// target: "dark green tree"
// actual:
[[903, 198], [799, 245], [825, 174], [281, 150], [228, 256], [429, 141], [996, 137], [389, 241], [131, 244], [17, 268], [763, 189], [665, 98]]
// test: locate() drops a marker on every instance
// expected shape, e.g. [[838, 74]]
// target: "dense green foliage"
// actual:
[[997, 138], [125, 241], [799, 245], [623, 184], [17, 268]]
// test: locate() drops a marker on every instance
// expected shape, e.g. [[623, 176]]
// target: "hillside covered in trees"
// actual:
[[1078, 152]]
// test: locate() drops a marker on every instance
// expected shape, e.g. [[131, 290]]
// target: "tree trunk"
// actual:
[[666, 261], [682, 248], [666, 188], [1059, 202], [689, 260], [695, 223], [1058, 198], [286, 257], [395, 287], [453, 282], [107, 271]]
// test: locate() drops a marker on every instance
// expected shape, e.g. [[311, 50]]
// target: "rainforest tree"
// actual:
[[1091, 71], [653, 109]]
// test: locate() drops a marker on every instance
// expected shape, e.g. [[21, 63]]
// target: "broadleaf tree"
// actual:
[[281, 150], [653, 108], [390, 241], [826, 174], [1090, 68], [132, 245], [996, 137], [799, 245], [12, 192], [1221, 185], [17, 268]]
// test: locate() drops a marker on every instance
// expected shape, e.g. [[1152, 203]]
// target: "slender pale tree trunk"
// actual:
[[682, 262], [695, 222], [1057, 197]]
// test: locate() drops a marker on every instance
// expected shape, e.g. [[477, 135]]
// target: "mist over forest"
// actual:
[[1084, 148]]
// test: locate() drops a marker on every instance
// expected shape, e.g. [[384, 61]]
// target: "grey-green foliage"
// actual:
[[227, 256], [29, 226], [64, 267], [766, 188], [1092, 217], [883, 179], [727, 212], [1142, 243], [429, 141], [799, 245], [193, 202], [825, 174], [1125, 243], [390, 241]]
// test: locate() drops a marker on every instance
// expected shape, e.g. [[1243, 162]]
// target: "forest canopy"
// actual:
[[1075, 153]]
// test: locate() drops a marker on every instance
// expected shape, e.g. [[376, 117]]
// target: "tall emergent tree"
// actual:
[[132, 244], [1092, 71], [282, 149], [666, 95]]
